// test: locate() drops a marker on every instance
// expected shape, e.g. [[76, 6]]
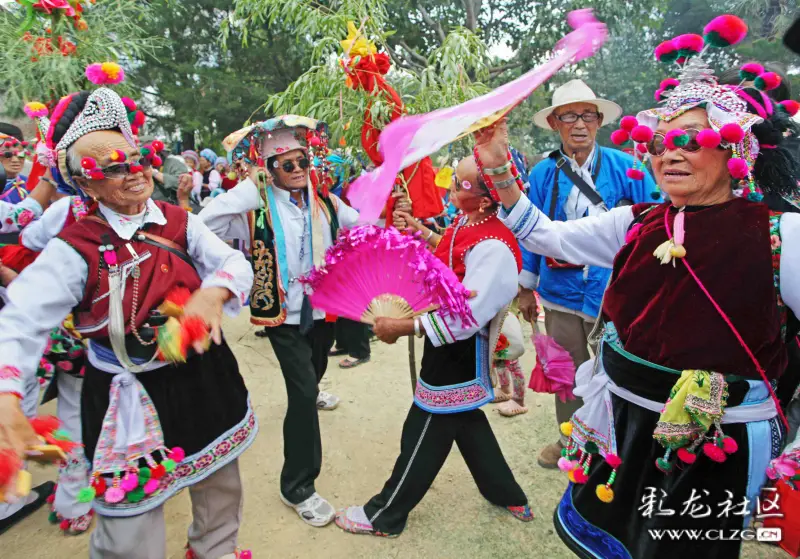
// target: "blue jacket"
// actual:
[[579, 289]]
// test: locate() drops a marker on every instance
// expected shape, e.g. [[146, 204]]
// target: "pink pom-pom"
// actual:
[[619, 137], [708, 138], [105, 73], [628, 123], [659, 92], [752, 68], [151, 486], [675, 138], [88, 163], [177, 454], [724, 31], [35, 109], [157, 145], [65, 366], [641, 148], [714, 452], [688, 43], [245, 554], [669, 83], [138, 119], [580, 476], [130, 104], [114, 495], [566, 465], [635, 174], [790, 106], [666, 51], [738, 168], [729, 445], [129, 482], [110, 257], [641, 134], [613, 460], [315, 142], [686, 457], [767, 81]]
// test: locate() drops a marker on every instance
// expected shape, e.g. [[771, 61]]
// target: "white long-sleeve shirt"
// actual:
[[491, 271], [226, 216], [36, 235], [595, 240], [47, 291]]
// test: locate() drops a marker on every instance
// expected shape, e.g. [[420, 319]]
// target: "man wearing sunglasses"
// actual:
[[13, 149], [287, 225], [578, 179]]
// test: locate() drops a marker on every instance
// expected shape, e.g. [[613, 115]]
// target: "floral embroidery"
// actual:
[[7, 372], [450, 397], [264, 280], [775, 244]]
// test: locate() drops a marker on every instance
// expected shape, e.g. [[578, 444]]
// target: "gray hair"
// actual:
[[74, 162]]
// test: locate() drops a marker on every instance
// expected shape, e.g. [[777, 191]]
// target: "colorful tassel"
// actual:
[[666, 52], [709, 138], [105, 73], [738, 168], [724, 31], [750, 71], [790, 106], [767, 81], [686, 456], [688, 44], [641, 134], [714, 452]]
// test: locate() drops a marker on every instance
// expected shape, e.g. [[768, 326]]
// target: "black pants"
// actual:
[[303, 360], [353, 337], [426, 441]]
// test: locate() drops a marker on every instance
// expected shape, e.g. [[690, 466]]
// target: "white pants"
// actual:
[[216, 516], [74, 475]]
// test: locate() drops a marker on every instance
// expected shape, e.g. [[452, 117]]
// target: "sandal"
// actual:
[[42, 491], [350, 363], [237, 553], [336, 352], [346, 523], [523, 513], [511, 408]]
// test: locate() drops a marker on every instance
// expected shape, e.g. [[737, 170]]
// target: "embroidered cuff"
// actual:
[[437, 329], [528, 279], [11, 381], [221, 278], [22, 215], [522, 218]]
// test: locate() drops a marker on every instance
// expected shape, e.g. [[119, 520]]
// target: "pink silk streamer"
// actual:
[[412, 138]]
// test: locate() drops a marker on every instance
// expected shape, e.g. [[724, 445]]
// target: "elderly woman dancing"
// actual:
[[680, 417], [149, 428]]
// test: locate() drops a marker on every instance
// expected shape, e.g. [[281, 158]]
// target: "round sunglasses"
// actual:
[[289, 166], [657, 147]]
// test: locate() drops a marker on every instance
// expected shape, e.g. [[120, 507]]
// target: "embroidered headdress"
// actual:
[[696, 86]]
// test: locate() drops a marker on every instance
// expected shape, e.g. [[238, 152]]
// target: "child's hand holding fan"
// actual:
[[374, 272]]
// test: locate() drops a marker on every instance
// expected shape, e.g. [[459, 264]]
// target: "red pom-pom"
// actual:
[[315, 142], [628, 123], [641, 148], [635, 174], [689, 43], [179, 296], [767, 81], [138, 119], [738, 168], [724, 31], [157, 145], [130, 104], [156, 161], [732, 133], [10, 464], [177, 454], [99, 485], [64, 525], [714, 452], [666, 52], [88, 163], [613, 460], [96, 174], [158, 472], [619, 137], [51, 499], [193, 329], [686, 456], [708, 138], [579, 476], [45, 424], [641, 134], [729, 445], [790, 106]]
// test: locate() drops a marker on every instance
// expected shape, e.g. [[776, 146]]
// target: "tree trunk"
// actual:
[[187, 139]]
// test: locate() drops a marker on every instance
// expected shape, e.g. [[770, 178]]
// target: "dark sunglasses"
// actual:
[[570, 118], [10, 154], [121, 170], [289, 166], [657, 147]]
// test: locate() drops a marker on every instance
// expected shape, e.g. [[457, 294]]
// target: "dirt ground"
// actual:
[[360, 441]]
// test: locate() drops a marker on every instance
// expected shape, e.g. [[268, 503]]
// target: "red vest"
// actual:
[[159, 273], [470, 235]]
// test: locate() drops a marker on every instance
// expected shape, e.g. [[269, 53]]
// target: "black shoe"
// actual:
[[43, 491], [263, 333]]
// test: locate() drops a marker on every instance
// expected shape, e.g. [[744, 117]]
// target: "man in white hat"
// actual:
[[578, 179]]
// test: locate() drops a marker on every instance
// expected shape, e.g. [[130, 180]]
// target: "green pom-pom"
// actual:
[[681, 140], [145, 152], [52, 518], [669, 57], [131, 116], [714, 39], [136, 495], [144, 474], [61, 435], [590, 447], [747, 76], [169, 465], [664, 465], [86, 495], [564, 452]]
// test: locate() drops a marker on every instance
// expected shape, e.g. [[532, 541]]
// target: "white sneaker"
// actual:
[[327, 401], [314, 511]]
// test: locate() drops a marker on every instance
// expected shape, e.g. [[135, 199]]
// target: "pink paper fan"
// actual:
[[554, 372], [372, 272]]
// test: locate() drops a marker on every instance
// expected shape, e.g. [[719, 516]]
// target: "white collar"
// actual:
[[587, 165], [126, 226]]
